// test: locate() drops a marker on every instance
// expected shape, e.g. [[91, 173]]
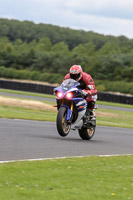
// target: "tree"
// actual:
[[44, 44]]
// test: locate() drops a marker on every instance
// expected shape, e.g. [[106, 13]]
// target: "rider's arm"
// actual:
[[90, 85]]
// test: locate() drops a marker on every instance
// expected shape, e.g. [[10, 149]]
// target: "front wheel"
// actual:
[[86, 133], [63, 126]]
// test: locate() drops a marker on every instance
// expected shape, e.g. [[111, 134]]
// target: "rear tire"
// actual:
[[63, 127], [86, 133]]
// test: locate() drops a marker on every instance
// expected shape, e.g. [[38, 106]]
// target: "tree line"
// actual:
[[46, 52]]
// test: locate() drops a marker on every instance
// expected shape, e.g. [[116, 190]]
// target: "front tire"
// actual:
[[86, 133], [63, 127]]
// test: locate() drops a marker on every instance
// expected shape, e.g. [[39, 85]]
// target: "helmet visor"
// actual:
[[75, 76]]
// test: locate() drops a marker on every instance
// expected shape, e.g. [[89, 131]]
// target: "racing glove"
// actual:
[[86, 92]]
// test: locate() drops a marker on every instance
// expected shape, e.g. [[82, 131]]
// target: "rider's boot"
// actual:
[[90, 118], [86, 116], [92, 114]]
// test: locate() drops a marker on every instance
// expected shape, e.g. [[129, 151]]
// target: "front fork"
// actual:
[[69, 111]]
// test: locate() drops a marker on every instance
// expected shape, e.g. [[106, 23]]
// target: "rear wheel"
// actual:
[[86, 133], [62, 124]]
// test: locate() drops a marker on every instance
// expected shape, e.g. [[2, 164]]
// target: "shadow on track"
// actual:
[[66, 139]]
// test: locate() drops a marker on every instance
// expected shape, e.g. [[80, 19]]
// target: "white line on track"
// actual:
[[41, 159]]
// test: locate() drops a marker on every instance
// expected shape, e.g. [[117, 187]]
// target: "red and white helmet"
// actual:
[[76, 72]]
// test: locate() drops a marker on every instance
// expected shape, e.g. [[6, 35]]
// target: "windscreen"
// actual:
[[68, 83]]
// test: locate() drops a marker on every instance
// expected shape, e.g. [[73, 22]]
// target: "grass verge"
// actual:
[[16, 112], [42, 110], [69, 179], [114, 118], [105, 117], [115, 104], [53, 97], [36, 110]]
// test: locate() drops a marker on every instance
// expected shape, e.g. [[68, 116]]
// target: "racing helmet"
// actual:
[[76, 72]]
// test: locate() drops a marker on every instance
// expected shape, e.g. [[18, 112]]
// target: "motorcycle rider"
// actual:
[[88, 88]]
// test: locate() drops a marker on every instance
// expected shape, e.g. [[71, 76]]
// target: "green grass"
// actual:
[[53, 97], [94, 178], [118, 119], [122, 118], [115, 104], [108, 117], [25, 113]]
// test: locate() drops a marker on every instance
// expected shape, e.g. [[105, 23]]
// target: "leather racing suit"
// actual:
[[88, 86]]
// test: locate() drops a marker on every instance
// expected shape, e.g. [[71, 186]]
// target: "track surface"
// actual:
[[25, 139]]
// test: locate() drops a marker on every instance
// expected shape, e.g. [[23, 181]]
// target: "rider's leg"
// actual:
[[91, 109]]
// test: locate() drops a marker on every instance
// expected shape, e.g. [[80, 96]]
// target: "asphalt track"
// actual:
[[26, 139]]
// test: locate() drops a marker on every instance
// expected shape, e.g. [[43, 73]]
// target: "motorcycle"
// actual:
[[72, 106]]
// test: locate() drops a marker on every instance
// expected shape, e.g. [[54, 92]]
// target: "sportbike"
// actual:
[[71, 106]]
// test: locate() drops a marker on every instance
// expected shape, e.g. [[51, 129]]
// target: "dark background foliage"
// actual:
[[45, 52]]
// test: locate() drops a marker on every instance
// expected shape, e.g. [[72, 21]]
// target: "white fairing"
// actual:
[[73, 89], [79, 122], [77, 125]]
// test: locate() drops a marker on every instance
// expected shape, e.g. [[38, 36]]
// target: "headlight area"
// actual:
[[59, 95], [69, 95]]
